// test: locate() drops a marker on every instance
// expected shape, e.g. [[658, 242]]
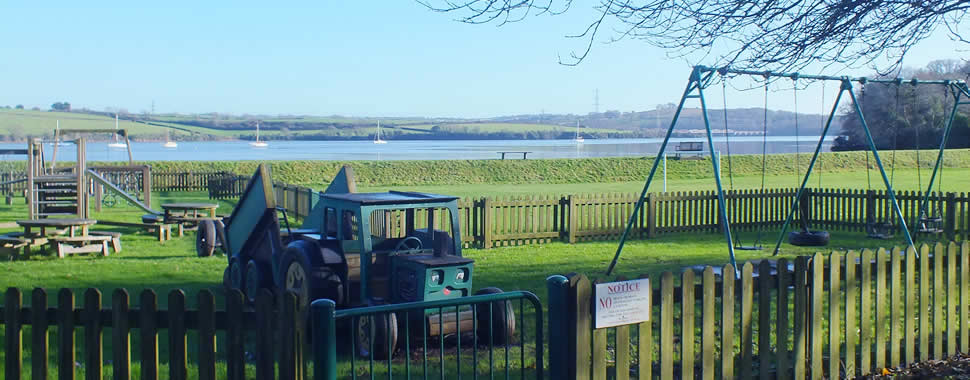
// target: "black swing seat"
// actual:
[[930, 225], [880, 230], [809, 238], [748, 247]]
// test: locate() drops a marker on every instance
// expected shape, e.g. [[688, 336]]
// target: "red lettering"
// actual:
[[606, 303]]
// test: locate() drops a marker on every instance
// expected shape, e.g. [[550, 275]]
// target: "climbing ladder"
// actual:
[[55, 193]]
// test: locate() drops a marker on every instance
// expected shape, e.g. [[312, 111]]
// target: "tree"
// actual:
[[905, 116], [61, 106], [19, 106], [778, 35]]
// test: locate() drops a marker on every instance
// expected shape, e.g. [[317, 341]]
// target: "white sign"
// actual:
[[622, 303]]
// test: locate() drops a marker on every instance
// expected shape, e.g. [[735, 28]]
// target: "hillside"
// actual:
[[18, 125]]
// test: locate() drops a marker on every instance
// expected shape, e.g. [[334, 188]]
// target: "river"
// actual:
[[418, 149]]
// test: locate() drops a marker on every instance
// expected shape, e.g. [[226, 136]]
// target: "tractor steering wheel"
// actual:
[[409, 243]]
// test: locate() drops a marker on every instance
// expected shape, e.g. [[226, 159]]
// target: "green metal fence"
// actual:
[[447, 344]]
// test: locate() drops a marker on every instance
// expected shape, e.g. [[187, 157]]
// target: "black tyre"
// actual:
[[309, 283], [500, 326], [205, 239], [237, 274], [257, 278], [382, 332], [809, 238]]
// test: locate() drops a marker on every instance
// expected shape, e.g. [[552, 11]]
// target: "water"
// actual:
[[416, 149]]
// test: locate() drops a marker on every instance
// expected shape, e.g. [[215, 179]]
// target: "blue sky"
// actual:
[[355, 58]]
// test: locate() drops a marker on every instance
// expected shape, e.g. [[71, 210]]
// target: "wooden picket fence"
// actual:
[[186, 181], [271, 333], [826, 316]]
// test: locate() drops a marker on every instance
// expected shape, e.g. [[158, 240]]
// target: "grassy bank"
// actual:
[[553, 171]]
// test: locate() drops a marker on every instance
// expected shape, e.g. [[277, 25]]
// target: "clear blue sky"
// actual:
[[355, 58]]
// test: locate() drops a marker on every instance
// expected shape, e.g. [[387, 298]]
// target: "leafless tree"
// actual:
[[780, 35]]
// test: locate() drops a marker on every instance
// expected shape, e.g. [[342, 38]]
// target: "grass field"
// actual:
[[21, 123]]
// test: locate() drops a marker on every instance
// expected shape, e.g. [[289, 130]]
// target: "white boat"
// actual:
[[257, 143], [579, 139], [377, 137], [168, 142], [117, 144]]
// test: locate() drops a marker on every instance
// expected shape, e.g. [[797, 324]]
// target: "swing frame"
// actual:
[[701, 77]]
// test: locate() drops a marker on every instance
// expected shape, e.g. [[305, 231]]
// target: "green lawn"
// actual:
[[146, 263]]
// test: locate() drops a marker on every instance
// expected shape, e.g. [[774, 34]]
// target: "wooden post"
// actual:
[[651, 215], [870, 207], [572, 219], [580, 294], [487, 223], [14, 335], [950, 223], [146, 184]]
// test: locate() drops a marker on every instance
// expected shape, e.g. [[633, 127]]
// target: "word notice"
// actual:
[[622, 303]]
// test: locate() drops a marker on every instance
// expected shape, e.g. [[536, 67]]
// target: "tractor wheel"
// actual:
[[500, 328], [309, 283], [237, 274], [809, 238], [381, 330], [205, 239], [257, 279]]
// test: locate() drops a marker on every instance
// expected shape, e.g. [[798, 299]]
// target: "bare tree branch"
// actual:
[[779, 35]]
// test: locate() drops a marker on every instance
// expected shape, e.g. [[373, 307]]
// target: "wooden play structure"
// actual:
[[55, 193]]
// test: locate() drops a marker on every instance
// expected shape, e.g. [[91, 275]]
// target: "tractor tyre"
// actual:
[[205, 238], [309, 283], [500, 325], [382, 332], [237, 274], [809, 238], [257, 279]]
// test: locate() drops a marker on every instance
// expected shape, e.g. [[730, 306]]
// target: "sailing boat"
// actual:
[[377, 137], [579, 139], [117, 144], [257, 143], [168, 141]]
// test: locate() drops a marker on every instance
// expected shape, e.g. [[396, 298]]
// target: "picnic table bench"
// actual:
[[77, 240], [692, 148], [188, 215], [524, 154]]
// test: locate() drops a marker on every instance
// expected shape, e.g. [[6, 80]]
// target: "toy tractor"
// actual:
[[357, 249]]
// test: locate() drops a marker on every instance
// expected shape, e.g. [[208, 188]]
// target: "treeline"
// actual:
[[907, 116]]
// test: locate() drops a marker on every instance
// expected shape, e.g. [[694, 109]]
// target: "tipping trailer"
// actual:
[[357, 249]]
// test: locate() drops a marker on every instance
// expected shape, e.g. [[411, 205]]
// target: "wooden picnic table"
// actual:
[[524, 154], [188, 213], [77, 240]]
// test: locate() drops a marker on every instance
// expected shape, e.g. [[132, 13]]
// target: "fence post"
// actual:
[[572, 219], [580, 343], [870, 207], [559, 331], [651, 215], [14, 335], [487, 223], [324, 339], [949, 226]]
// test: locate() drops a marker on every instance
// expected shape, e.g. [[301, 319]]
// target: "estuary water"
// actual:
[[420, 149]]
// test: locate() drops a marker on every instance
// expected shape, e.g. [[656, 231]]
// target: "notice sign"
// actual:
[[622, 303]]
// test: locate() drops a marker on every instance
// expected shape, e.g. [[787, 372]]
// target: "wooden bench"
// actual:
[[163, 231], [689, 148], [115, 238], [10, 245], [524, 154], [67, 245]]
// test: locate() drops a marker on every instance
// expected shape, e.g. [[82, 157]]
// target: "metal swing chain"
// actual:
[[821, 128], [727, 136]]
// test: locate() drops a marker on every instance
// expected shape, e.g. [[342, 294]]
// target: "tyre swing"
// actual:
[[738, 245], [806, 237], [884, 229]]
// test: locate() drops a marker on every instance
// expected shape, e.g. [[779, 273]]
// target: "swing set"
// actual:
[[703, 77]]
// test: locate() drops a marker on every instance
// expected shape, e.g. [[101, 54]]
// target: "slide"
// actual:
[[122, 193]]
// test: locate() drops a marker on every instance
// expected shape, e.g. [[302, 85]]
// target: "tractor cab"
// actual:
[[406, 245]]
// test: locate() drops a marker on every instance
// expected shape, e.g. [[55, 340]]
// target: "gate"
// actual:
[[461, 336]]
